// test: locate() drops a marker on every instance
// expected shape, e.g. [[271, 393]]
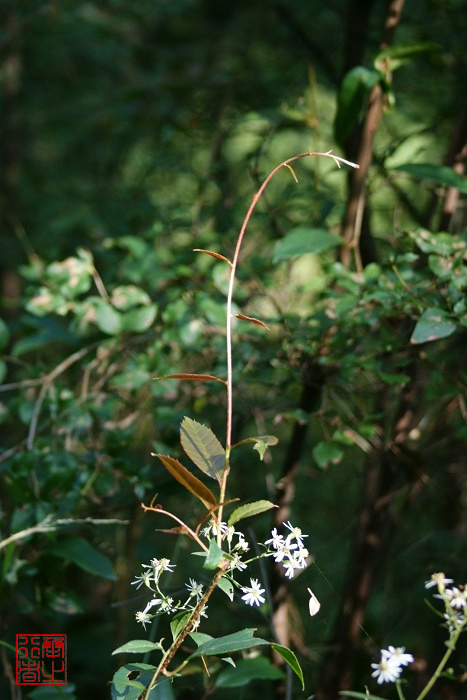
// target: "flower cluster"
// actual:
[[455, 601], [391, 664], [289, 551], [161, 603]]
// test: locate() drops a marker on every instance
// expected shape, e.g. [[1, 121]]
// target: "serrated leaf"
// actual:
[[137, 646], [433, 324], [202, 447], [247, 670], [248, 510], [304, 240], [214, 556], [193, 377], [290, 659], [188, 480], [230, 642]]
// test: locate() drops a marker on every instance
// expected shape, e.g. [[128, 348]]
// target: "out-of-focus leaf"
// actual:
[[303, 240], [352, 100], [397, 55], [138, 320], [84, 555], [439, 174], [247, 670], [188, 480], [108, 319], [325, 453], [202, 447], [433, 324]]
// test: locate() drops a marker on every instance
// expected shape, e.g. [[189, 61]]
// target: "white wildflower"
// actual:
[[253, 593]]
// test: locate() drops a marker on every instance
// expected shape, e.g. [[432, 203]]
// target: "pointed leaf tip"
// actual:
[[251, 319]]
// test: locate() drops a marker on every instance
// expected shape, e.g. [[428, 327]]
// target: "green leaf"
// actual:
[[84, 555], [439, 174], [214, 557], [231, 642], [178, 622], [125, 689], [137, 646], [247, 670], [303, 240], [108, 320], [138, 320], [248, 510], [3, 370], [262, 442], [290, 659], [352, 100], [395, 56], [325, 453], [188, 480], [202, 447], [4, 335], [433, 324], [226, 587], [53, 692]]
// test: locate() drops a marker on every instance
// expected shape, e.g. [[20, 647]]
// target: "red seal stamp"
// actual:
[[41, 659]]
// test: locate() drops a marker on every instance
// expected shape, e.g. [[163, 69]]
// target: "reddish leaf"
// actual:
[[188, 480], [213, 255], [242, 317], [193, 377]]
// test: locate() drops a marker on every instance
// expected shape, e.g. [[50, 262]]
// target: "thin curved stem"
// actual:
[[234, 263]]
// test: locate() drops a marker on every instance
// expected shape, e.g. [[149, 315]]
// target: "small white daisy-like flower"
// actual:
[[237, 563], [195, 589], [276, 540], [300, 556], [398, 655], [144, 618], [253, 593], [242, 545], [438, 580], [387, 671], [290, 566], [295, 533], [144, 579], [284, 551], [455, 597], [162, 565], [167, 605]]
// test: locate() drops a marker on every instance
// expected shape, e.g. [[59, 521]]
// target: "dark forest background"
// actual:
[[133, 131]]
